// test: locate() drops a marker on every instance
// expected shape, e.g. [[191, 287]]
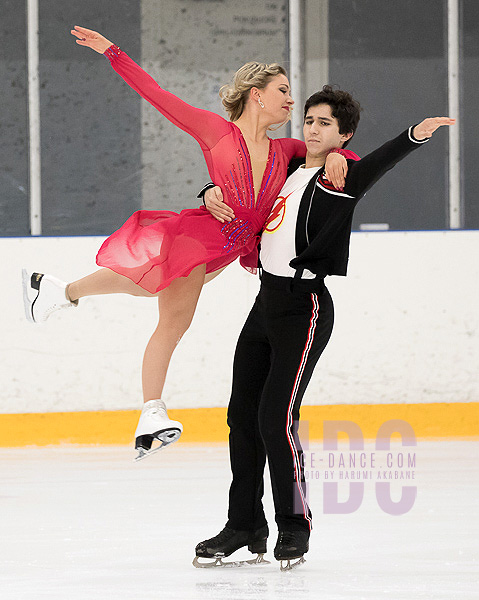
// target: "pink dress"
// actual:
[[155, 247]]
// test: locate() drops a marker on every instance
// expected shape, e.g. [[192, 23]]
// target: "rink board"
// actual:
[[405, 331], [208, 425]]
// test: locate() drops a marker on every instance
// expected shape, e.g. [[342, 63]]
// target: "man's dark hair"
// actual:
[[343, 107]]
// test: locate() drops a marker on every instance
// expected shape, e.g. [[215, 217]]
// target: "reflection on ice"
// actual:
[[89, 523]]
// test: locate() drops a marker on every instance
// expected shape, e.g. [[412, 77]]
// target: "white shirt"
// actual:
[[278, 246]]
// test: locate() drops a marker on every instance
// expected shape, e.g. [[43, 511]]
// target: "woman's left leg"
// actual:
[[177, 305], [214, 274]]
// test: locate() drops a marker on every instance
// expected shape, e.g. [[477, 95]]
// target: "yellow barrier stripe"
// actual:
[[206, 425]]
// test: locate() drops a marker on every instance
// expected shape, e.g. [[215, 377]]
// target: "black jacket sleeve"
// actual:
[[363, 174], [204, 189], [327, 222]]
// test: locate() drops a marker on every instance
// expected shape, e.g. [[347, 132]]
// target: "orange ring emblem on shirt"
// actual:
[[276, 216]]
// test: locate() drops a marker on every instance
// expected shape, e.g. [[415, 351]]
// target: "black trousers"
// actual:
[[284, 335]]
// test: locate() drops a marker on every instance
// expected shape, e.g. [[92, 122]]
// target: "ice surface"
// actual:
[[89, 523]]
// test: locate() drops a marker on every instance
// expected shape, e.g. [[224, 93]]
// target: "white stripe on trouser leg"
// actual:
[[289, 426]]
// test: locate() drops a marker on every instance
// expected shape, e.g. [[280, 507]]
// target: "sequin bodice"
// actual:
[[231, 169], [224, 149]]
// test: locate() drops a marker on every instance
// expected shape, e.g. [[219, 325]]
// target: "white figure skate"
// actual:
[[155, 424], [43, 295]]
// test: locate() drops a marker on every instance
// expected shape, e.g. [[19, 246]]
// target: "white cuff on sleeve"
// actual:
[[413, 139]]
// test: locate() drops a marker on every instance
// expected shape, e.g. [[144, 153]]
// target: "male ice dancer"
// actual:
[[305, 239]]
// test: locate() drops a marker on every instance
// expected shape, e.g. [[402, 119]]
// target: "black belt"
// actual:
[[292, 283]]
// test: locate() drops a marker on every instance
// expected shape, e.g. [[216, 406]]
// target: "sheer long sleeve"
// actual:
[[205, 126]]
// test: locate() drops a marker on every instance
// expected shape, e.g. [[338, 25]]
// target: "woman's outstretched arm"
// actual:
[[205, 126], [91, 39]]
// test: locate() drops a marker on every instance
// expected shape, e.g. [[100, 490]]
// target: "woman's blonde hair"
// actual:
[[253, 74]]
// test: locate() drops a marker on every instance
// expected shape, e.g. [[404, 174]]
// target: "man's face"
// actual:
[[321, 131]]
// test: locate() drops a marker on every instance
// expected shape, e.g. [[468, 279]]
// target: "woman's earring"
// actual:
[[260, 103]]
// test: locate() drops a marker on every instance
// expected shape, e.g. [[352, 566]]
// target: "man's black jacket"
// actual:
[[323, 227]]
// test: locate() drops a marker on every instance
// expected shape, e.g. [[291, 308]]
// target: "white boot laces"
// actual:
[[156, 411]]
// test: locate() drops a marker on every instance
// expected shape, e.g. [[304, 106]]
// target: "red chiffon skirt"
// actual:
[[153, 248]]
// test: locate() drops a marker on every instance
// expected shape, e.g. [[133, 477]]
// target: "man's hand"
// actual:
[[216, 206], [336, 169], [426, 128], [91, 39]]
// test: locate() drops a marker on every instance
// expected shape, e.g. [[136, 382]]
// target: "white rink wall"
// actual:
[[406, 330]]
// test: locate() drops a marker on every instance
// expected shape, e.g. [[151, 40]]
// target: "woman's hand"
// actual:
[[216, 206], [336, 169], [426, 128], [91, 39]]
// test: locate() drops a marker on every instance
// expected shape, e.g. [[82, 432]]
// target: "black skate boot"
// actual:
[[291, 545], [228, 541]]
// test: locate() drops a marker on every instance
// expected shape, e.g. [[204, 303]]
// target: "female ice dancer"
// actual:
[[170, 255]]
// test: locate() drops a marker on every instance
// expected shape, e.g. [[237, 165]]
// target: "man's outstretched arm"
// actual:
[[364, 173]]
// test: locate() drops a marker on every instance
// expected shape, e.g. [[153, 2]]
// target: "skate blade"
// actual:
[[289, 566], [218, 562], [164, 437], [27, 303]]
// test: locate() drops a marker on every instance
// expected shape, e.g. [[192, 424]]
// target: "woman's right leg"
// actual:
[[44, 294], [104, 281]]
